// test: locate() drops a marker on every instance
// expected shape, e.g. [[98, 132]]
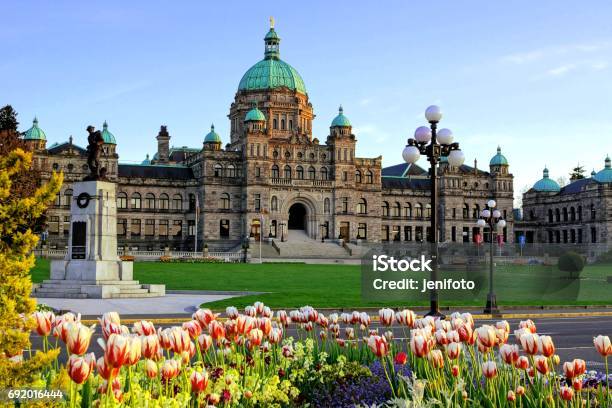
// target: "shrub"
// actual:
[[127, 258], [571, 262]]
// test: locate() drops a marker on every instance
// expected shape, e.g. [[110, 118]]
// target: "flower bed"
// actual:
[[248, 359]]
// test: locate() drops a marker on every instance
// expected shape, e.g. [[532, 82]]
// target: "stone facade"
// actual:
[[274, 175]]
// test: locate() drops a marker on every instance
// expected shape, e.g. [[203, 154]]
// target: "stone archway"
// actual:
[[297, 217]]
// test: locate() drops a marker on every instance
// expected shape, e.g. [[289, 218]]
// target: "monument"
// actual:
[[91, 268]]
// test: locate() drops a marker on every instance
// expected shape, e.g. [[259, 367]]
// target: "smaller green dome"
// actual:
[[34, 133], [546, 184], [212, 136], [271, 35], [108, 137], [255, 115], [605, 175], [499, 159], [341, 120], [146, 161]]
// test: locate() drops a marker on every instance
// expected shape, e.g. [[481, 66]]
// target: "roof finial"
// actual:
[[35, 121], [271, 23], [340, 110], [212, 127], [70, 139], [105, 125], [498, 149]]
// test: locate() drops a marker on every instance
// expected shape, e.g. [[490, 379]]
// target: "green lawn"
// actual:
[[293, 285]]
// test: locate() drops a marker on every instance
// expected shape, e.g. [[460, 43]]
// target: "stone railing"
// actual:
[[301, 182], [148, 255]]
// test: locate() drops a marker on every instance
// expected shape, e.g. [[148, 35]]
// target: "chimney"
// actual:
[[163, 145]]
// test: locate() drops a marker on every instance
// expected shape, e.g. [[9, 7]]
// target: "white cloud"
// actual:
[[551, 52], [561, 70]]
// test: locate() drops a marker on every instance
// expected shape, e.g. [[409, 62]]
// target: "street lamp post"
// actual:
[[434, 145], [491, 217], [282, 225]]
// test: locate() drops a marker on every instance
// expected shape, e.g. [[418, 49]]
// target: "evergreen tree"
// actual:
[[577, 173], [8, 119], [16, 259]]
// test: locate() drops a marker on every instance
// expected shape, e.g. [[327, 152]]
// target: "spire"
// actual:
[[545, 172], [35, 121], [608, 162], [212, 127], [104, 126], [498, 149], [272, 41], [593, 173], [340, 110]]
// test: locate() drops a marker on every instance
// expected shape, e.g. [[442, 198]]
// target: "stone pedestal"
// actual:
[[91, 267]]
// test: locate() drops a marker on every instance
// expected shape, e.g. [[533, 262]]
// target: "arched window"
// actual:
[[164, 201], [299, 173], [369, 177], [579, 213], [274, 204], [362, 206], [150, 201], [136, 203], [550, 215], [572, 214], [326, 206], [407, 210], [466, 211], [290, 124], [476, 211], [122, 201], [67, 197], [418, 210], [275, 124], [218, 170], [192, 202], [358, 176], [287, 172], [230, 171], [385, 209], [275, 171], [225, 201], [397, 209], [312, 173], [593, 213], [324, 173], [177, 202], [557, 215], [428, 211], [282, 124], [565, 216]]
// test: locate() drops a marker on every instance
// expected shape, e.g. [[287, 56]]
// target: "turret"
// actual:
[[163, 145]]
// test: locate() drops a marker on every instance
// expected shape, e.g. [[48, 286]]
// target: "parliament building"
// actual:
[[273, 175]]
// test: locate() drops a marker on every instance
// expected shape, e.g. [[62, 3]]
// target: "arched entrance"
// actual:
[[297, 217]]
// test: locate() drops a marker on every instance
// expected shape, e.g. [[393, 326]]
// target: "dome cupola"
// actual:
[[499, 159], [108, 137], [146, 161], [255, 115], [341, 120], [546, 184], [212, 136], [605, 175], [34, 133]]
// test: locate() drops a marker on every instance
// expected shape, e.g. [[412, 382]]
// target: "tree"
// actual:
[[8, 119], [16, 259], [577, 173], [562, 181]]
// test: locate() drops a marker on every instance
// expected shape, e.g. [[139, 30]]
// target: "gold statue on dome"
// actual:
[[271, 22]]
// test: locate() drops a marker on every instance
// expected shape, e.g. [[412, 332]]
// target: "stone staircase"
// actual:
[[298, 245], [82, 289]]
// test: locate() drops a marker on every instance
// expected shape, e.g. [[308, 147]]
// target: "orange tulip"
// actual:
[[378, 345], [150, 346], [486, 336], [283, 317], [579, 366], [541, 364], [566, 393], [419, 345], [509, 353], [255, 337], [546, 346], [489, 369], [79, 368], [265, 325], [199, 381], [528, 324], [511, 396], [144, 328], [151, 368], [216, 330], [105, 370], [522, 363], [568, 370], [135, 350], [244, 324], [165, 338], [276, 335], [455, 371], [577, 384], [520, 390], [44, 321], [259, 307], [441, 338], [180, 339], [602, 345], [204, 341], [453, 350], [231, 312], [116, 349], [406, 318], [436, 358], [204, 317], [386, 316], [78, 337], [193, 328], [530, 343], [170, 369]]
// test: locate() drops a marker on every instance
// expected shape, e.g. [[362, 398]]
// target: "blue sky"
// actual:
[[533, 77]]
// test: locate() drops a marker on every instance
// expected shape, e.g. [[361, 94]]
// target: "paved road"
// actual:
[[573, 337]]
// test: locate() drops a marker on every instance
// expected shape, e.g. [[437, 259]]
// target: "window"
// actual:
[[397, 209], [67, 197], [54, 225], [593, 213], [418, 210], [428, 211], [326, 206], [312, 173], [572, 214], [257, 171], [225, 201], [122, 201], [579, 213], [121, 227], [362, 206], [283, 124], [299, 172], [177, 202], [407, 210], [344, 176], [396, 233], [407, 233], [275, 172], [150, 201], [274, 124], [163, 228], [224, 226], [466, 234], [164, 201], [369, 177], [287, 172], [385, 209], [135, 230], [593, 234], [418, 234], [230, 171], [580, 236], [149, 228], [565, 215], [454, 213], [218, 170], [191, 230], [192, 202], [324, 175], [66, 226], [345, 205], [557, 215], [290, 124], [357, 176], [362, 231], [466, 211], [454, 234], [58, 200], [274, 204], [257, 202], [136, 202], [550, 215], [177, 228], [476, 211], [384, 233]]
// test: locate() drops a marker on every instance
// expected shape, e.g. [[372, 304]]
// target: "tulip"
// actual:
[[453, 350], [528, 324], [204, 317], [44, 321], [511, 396], [541, 364], [287, 351], [230, 329], [265, 325], [378, 345], [188, 353], [501, 336], [401, 358], [503, 325], [150, 346], [441, 337], [143, 328], [204, 341], [180, 339], [467, 318], [135, 350], [345, 318], [165, 338], [267, 312], [250, 311], [255, 337], [577, 384], [350, 333], [199, 381], [466, 334], [244, 324], [78, 337], [386, 316], [105, 370], [568, 370], [530, 343], [522, 363], [455, 371], [193, 328], [436, 358], [170, 369], [489, 369], [151, 368], [453, 336], [419, 345], [113, 328], [79, 368], [297, 317], [116, 388], [364, 319], [116, 349], [58, 327], [214, 398], [556, 359], [231, 312], [406, 318], [333, 318], [486, 336], [283, 317], [509, 353], [566, 393], [355, 317], [216, 330], [602, 345], [520, 390], [259, 307], [579, 367], [546, 346], [388, 335], [276, 335]]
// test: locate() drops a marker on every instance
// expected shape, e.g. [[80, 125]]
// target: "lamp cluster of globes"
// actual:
[[492, 213]]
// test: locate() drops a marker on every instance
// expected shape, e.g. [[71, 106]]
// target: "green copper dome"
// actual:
[[108, 137], [34, 133], [499, 159], [255, 115], [212, 136], [546, 184], [605, 175], [341, 120], [272, 72]]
